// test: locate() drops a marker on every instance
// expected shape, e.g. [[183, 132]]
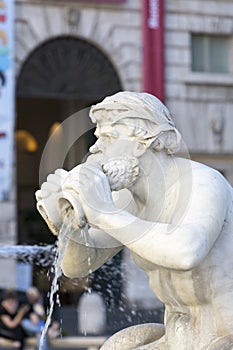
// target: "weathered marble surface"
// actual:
[[177, 223]]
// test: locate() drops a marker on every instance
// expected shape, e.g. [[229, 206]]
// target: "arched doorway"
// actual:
[[60, 77]]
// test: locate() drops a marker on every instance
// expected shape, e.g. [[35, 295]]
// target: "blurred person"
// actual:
[[34, 320], [10, 319]]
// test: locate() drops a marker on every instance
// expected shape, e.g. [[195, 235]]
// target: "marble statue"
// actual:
[[173, 214]]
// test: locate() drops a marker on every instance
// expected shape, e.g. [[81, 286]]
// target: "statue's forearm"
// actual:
[[172, 246]]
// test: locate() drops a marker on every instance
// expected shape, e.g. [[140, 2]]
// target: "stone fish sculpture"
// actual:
[[178, 223]]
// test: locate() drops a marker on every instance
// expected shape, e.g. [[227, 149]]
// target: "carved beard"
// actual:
[[122, 172]]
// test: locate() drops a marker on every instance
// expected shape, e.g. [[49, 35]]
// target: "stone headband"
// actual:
[[132, 105], [143, 105]]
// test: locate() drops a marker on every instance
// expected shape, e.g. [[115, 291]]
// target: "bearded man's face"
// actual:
[[114, 151]]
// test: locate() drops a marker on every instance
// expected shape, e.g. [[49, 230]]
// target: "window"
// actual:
[[211, 53]]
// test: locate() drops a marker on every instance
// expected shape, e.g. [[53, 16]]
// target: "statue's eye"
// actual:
[[106, 137]]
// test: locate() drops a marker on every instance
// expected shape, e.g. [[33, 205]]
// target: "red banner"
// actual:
[[153, 48]]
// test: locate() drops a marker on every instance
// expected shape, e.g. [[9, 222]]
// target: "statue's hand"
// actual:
[[53, 184], [47, 199], [93, 190]]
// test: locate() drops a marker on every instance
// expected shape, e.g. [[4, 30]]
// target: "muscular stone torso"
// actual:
[[197, 297]]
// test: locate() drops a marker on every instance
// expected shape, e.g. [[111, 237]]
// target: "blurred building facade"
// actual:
[[199, 78], [102, 42]]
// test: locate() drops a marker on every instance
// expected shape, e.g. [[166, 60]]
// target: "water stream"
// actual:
[[64, 235], [63, 238]]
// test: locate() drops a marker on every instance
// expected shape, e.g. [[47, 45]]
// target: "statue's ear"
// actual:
[[142, 146]]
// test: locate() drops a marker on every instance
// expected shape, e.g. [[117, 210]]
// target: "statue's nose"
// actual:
[[96, 148], [93, 149]]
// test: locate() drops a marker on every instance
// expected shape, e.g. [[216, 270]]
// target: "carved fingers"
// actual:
[[52, 185], [92, 188]]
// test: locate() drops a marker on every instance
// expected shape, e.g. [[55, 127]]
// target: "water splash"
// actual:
[[33, 254]]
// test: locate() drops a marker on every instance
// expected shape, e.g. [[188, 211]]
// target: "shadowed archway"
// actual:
[[68, 67]]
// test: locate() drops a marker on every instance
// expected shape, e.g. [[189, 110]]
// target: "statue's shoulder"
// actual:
[[188, 167], [200, 174], [204, 174], [197, 166]]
